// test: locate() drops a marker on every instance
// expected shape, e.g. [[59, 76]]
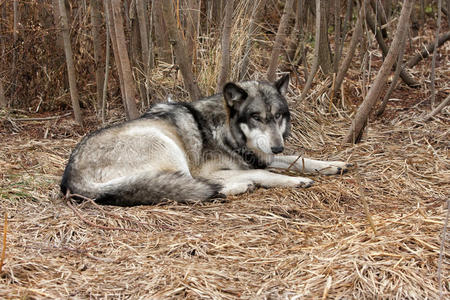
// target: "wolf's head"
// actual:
[[258, 114]]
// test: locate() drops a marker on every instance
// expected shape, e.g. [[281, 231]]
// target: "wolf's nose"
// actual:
[[276, 150]]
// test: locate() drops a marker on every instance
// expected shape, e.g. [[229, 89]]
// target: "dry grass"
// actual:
[[277, 243], [313, 243]]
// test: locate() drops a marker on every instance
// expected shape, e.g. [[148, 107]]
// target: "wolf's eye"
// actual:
[[256, 117], [277, 116]]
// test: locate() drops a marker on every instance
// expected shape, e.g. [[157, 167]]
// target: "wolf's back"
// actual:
[[145, 190]]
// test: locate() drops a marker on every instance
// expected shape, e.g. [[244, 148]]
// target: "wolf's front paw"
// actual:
[[306, 184], [334, 167], [236, 188], [302, 182]]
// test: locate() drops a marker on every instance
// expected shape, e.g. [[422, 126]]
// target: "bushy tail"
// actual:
[[142, 190]]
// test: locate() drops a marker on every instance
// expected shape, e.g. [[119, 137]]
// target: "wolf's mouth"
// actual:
[[263, 145]]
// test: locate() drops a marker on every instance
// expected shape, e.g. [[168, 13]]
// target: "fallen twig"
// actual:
[[293, 163], [40, 119], [441, 251], [41, 247], [2, 259], [327, 288], [365, 205], [438, 108], [427, 50]]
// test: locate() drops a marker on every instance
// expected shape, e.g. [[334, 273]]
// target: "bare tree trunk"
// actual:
[[3, 102], [179, 46], [69, 61], [415, 24], [296, 34], [324, 43], [2, 27], [226, 33], [14, 54], [422, 12], [279, 40], [338, 39], [377, 7], [99, 75], [347, 20], [57, 18], [135, 52], [192, 19], [388, 8], [162, 42], [108, 54], [406, 77], [393, 85], [448, 14], [315, 65], [216, 12], [257, 8], [351, 51], [15, 20], [123, 60], [355, 131], [112, 33], [141, 10], [433, 60], [15, 27], [151, 48]]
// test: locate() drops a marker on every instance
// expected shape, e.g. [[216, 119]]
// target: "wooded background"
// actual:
[[56, 55]]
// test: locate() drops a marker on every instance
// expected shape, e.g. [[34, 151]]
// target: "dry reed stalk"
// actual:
[[365, 205], [441, 252], [5, 232]]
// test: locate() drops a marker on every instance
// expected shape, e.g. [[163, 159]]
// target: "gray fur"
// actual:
[[187, 151]]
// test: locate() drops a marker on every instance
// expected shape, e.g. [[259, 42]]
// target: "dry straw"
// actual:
[[315, 243], [278, 243]]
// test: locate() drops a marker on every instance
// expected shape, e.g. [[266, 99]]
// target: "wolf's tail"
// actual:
[[145, 190]]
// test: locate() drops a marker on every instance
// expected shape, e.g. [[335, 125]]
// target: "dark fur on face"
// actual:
[[257, 105]]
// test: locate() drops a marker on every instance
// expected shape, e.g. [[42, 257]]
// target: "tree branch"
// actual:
[[406, 77], [279, 40], [427, 50], [363, 111], [438, 109]]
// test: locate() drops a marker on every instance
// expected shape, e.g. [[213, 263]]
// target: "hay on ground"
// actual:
[[277, 243]]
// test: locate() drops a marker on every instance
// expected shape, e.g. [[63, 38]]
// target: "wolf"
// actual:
[[187, 152]]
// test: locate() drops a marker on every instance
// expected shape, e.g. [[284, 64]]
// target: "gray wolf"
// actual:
[[213, 147]]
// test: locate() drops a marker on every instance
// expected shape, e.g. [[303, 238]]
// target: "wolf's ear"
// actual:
[[233, 94], [282, 84]]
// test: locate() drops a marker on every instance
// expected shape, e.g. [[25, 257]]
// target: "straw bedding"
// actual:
[[269, 244]]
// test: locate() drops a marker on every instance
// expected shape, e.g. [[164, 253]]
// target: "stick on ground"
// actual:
[[438, 109], [5, 231]]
